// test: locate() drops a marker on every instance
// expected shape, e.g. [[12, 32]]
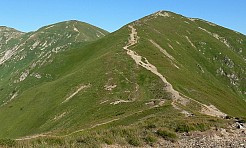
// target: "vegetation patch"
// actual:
[[7, 143], [150, 139], [167, 134]]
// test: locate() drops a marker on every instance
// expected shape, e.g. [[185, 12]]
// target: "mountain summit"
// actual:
[[157, 77]]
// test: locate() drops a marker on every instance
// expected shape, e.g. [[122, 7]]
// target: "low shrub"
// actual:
[[184, 128], [150, 139], [167, 135], [201, 127], [108, 140], [54, 141], [134, 141], [87, 141], [150, 126], [7, 143]]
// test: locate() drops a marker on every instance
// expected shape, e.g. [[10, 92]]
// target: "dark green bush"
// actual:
[[201, 127], [149, 126], [134, 141], [7, 142], [108, 140], [167, 135], [54, 141], [150, 139], [183, 128], [87, 141]]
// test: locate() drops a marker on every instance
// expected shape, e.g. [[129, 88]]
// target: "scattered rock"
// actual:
[[120, 101], [109, 87]]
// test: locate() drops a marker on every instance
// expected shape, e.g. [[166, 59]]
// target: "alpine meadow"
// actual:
[[164, 80]]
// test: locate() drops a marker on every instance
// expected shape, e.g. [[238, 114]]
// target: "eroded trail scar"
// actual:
[[177, 98], [76, 92], [147, 65]]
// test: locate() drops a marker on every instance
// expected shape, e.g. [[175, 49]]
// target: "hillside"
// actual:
[[23, 54], [162, 74], [202, 60]]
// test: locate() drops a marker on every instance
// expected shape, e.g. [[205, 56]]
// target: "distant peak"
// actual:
[[8, 29], [163, 13], [63, 24], [73, 29], [3, 27], [72, 21]]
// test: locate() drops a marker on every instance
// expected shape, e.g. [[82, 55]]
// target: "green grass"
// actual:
[[167, 135], [147, 129], [207, 87], [7, 143], [38, 108]]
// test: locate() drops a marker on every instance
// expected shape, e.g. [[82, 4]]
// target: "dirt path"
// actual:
[[94, 126], [77, 131], [74, 132], [33, 137], [177, 98], [138, 59], [76, 92]]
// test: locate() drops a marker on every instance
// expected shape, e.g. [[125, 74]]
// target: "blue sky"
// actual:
[[29, 15]]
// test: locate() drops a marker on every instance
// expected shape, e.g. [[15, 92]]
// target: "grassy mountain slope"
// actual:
[[97, 66], [97, 83], [210, 69], [33, 50]]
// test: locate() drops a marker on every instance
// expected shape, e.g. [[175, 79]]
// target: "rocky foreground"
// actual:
[[232, 137], [220, 139]]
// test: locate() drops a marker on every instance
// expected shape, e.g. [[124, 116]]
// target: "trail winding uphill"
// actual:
[[77, 131], [176, 96]]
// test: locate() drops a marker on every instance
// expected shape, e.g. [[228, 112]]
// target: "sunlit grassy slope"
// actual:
[[211, 59], [210, 68]]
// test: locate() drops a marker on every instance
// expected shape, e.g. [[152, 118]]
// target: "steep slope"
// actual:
[[164, 68], [83, 79], [8, 38], [26, 53], [202, 60], [8, 34]]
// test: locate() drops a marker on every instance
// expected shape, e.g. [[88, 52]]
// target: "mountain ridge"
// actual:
[[164, 69], [32, 50]]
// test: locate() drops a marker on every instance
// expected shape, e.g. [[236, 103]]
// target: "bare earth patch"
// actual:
[[120, 101], [76, 92], [110, 87], [177, 98]]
